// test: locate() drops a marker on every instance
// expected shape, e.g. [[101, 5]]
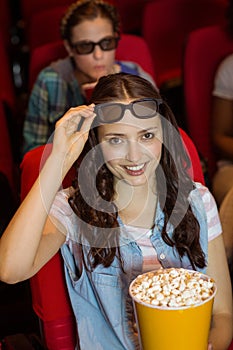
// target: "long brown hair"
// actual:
[[172, 173]]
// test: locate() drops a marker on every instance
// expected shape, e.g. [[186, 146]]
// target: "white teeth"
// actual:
[[135, 168]]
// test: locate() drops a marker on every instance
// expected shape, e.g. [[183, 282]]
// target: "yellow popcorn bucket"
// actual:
[[173, 328]]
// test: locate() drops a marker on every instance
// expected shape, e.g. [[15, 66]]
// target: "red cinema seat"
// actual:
[[131, 13], [7, 91], [6, 156], [166, 25], [48, 287], [44, 27], [205, 49], [28, 7], [6, 22]]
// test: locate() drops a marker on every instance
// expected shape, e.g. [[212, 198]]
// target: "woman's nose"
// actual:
[[134, 151], [98, 52]]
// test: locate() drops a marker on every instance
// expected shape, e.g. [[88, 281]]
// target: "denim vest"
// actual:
[[101, 303]]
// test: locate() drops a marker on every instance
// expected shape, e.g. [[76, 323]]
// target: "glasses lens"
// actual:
[[108, 44], [84, 47], [109, 113], [113, 112], [145, 109]]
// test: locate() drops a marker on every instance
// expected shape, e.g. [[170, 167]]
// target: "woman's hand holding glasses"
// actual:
[[71, 134]]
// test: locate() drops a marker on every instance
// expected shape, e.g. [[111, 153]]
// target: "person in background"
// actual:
[[222, 136], [222, 120], [91, 32], [132, 208]]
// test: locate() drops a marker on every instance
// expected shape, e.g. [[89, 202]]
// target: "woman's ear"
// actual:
[[68, 48]]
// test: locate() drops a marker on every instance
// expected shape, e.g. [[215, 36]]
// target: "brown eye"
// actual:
[[148, 136]]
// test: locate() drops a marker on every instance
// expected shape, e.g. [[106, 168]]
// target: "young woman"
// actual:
[[91, 31], [132, 208]]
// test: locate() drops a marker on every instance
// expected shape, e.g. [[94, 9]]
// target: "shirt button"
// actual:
[[162, 256]]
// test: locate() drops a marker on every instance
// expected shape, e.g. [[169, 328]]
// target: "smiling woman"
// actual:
[[133, 207], [132, 147]]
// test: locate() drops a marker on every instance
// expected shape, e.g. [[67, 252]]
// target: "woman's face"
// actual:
[[132, 148], [92, 66]]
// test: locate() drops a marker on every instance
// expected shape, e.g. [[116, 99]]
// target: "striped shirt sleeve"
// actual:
[[213, 220]]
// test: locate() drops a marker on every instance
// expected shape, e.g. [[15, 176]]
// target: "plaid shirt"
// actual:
[[55, 91]]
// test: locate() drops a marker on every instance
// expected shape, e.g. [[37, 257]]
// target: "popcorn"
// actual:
[[174, 287]]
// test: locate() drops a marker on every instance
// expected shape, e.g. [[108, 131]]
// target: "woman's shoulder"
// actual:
[[224, 72], [61, 69], [207, 199], [203, 191], [61, 203], [211, 209], [62, 212], [226, 63], [134, 68], [128, 67]]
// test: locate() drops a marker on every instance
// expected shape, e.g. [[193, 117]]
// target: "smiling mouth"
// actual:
[[135, 167], [135, 170]]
